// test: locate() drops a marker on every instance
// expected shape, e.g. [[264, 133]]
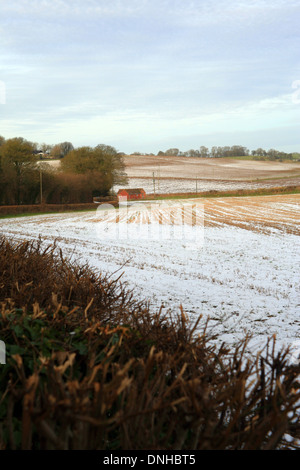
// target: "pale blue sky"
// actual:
[[147, 75]]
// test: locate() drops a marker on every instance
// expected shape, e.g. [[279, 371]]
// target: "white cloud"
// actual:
[[145, 69], [72, 8]]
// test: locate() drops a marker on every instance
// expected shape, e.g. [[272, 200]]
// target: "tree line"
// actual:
[[228, 151], [84, 173]]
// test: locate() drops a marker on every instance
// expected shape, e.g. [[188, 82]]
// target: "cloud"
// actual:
[[146, 69]]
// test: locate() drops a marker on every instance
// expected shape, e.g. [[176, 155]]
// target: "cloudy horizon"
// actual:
[[148, 75]]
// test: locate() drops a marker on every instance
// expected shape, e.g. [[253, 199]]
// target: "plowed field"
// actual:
[[236, 263]]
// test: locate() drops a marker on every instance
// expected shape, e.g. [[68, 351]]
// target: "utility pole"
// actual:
[[158, 179], [41, 187], [153, 182]]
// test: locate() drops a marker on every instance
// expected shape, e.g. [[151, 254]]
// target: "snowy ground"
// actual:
[[189, 185], [184, 185], [236, 262]]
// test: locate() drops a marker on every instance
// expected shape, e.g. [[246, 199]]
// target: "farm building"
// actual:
[[137, 193]]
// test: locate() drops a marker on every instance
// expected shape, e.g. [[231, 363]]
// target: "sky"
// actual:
[[149, 75]]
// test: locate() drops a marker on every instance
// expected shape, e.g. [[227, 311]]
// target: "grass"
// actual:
[[265, 158], [32, 214], [234, 193], [296, 175], [33, 210]]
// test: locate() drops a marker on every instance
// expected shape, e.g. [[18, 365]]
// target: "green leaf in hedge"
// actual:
[[14, 349], [18, 331]]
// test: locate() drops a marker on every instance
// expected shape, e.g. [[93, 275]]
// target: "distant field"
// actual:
[[215, 168], [181, 174]]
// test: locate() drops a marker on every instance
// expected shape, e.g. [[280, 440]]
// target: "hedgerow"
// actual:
[[90, 367]]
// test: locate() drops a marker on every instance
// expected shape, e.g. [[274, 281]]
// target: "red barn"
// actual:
[[137, 193]]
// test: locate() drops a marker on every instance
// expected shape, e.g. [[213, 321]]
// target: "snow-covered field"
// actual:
[[234, 260], [170, 174], [188, 185]]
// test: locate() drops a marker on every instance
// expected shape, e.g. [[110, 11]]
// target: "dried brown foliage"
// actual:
[[45, 208], [37, 208], [89, 367]]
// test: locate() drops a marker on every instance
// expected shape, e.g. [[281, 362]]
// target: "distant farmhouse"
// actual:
[[129, 194]]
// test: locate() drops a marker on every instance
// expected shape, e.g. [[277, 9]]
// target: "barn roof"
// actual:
[[132, 190]]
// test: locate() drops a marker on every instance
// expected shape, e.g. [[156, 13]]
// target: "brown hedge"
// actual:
[[90, 367], [44, 208]]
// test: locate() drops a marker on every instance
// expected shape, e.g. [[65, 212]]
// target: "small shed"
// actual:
[[129, 194]]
